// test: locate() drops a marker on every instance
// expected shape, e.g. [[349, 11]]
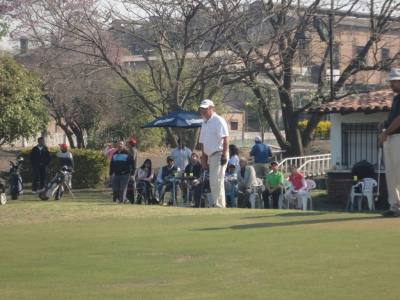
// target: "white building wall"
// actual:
[[336, 129]]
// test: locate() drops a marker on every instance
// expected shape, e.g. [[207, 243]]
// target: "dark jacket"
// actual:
[[195, 169], [40, 158], [121, 163], [167, 172], [261, 153]]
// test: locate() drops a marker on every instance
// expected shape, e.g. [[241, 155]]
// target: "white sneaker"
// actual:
[[34, 192]]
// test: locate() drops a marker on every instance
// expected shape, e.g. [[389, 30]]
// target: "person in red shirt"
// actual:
[[298, 190]]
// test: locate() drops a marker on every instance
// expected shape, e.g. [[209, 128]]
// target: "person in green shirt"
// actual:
[[273, 186]]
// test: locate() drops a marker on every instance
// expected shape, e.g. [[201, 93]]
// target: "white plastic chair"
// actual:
[[256, 194], [310, 186], [286, 187], [366, 187]]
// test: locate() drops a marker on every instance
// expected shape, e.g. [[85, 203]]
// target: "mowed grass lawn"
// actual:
[[89, 248]]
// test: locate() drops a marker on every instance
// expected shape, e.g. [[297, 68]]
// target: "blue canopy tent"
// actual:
[[178, 119]]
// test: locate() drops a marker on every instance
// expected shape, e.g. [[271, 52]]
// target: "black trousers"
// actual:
[[39, 174], [275, 198]]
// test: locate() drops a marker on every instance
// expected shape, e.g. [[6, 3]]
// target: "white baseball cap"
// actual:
[[206, 103], [258, 139], [394, 74]]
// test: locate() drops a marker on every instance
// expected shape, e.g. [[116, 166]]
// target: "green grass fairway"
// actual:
[[89, 248]]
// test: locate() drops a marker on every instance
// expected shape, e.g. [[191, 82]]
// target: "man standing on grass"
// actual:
[[390, 140], [120, 170], [40, 159], [214, 139]]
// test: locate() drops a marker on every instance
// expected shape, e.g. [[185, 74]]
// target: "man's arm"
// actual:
[[224, 156], [203, 158], [225, 145], [390, 130], [111, 167]]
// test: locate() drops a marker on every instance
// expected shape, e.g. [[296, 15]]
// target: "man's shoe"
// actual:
[[391, 214]]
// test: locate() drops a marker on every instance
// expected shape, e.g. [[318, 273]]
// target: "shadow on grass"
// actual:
[[294, 214], [285, 224]]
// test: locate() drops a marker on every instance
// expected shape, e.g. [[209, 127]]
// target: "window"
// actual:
[[356, 51], [304, 51], [385, 53], [336, 56], [234, 125], [359, 142]]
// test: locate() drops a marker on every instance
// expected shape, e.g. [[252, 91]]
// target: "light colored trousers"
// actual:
[[217, 174], [301, 198], [261, 169], [392, 168]]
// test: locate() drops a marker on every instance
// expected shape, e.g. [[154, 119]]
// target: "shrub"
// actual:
[[90, 167], [322, 131]]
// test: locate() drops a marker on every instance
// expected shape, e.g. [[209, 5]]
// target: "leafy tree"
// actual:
[[276, 39], [179, 43], [22, 113]]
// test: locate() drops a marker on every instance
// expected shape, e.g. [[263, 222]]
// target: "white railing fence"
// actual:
[[309, 165]]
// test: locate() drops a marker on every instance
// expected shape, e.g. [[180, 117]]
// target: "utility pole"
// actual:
[[331, 48]]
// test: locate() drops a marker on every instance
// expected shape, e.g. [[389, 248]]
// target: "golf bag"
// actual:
[[15, 180], [55, 188]]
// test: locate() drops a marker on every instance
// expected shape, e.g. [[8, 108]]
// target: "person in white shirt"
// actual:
[[181, 155], [214, 139], [233, 156]]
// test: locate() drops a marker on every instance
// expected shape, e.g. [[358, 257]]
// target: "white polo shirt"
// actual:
[[211, 134]]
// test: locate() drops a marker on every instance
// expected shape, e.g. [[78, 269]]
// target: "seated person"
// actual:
[[193, 169], [298, 187], [164, 183], [143, 177], [233, 156], [231, 181], [273, 186], [246, 179]]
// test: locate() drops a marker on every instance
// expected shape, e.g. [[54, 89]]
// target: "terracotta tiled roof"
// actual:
[[370, 102]]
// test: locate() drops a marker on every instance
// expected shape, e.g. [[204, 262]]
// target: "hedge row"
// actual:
[[90, 167], [322, 131]]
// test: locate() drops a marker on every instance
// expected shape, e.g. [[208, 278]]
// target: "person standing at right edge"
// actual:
[[389, 138], [214, 139]]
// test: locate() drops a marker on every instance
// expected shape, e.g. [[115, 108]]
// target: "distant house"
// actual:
[[235, 118], [353, 137]]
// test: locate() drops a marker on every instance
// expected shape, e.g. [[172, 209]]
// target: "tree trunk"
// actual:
[[171, 138], [78, 132], [194, 141], [293, 135], [68, 133], [294, 145], [308, 132]]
